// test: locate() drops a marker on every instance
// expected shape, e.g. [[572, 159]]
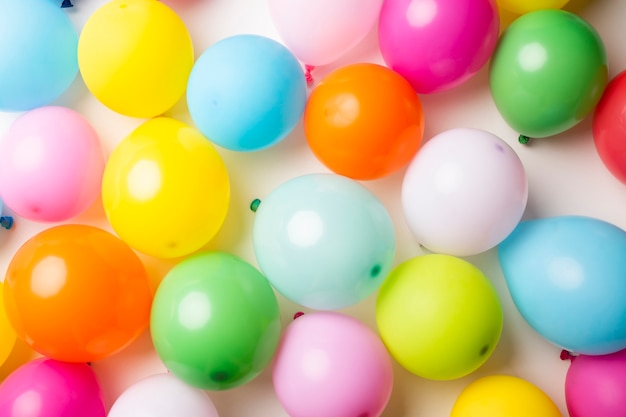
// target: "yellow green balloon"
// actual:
[[503, 396], [135, 56], [439, 316], [526, 6], [7, 335], [165, 189]]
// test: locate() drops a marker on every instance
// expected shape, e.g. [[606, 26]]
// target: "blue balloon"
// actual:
[[323, 241], [246, 93], [567, 277], [38, 54]]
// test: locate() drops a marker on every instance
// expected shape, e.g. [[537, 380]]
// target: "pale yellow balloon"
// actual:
[[135, 56], [7, 335], [503, 396], [165, 189], [525, 6]]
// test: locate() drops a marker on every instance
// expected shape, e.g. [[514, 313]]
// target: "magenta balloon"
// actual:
[[332, 365], [49, 388], [596, 386], [437, 44]]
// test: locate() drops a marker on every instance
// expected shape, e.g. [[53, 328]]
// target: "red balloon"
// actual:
[[609, 127]]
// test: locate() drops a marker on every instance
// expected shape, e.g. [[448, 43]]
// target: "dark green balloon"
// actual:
[[547, 72], [215, 321]]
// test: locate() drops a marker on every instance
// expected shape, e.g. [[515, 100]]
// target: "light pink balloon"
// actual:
[[319, 32], [437, 44], [332, 365], [51, 165]]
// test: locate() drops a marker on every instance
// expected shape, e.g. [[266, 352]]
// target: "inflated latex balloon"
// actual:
[[165, 189], [526, 6], [77, 293], [596, 385], [428, 293], [345, 23], [364, 121], [135, 56], [7, 334], [39, 41], [215, 321], [246, 92], [52, 165], [437, 44], [329, 364], [548, 72], [566, 277], [609, 127], [503, 396], [324, 241], [162, 395], [49, 388], [464, 192]]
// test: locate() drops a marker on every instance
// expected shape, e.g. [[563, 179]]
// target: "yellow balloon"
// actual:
[[165, 189], [135, 56], [7, 335], [525, 6], [503, 396]]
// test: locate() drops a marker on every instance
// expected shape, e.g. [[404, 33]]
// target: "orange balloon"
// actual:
[[364, 121], [77, 293]]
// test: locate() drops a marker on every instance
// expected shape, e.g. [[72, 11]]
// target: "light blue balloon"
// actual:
[[246, 93], [567, 277], [324, 241], [38, 54]]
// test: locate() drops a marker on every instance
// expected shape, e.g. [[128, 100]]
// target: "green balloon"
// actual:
[[547, 72], [215, 321]]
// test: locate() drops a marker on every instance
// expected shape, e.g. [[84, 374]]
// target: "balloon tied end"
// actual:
[[254, 205], [298, 314], [523, 139], [66, 4], [307, 74], [6, 222], [566, 355]]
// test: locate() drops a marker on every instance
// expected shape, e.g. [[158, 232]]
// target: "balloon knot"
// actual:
[[523, 139], [254, 205], [6, 222], [566, 355], [307, 74], [66, 4], [298, 314]]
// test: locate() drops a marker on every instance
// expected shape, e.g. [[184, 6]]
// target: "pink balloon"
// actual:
[[52, 164], [596, 385], [437, 44], [319, 32], [49, 388], [329, 364]]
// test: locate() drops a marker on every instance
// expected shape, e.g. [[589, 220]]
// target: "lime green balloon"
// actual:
[[548, 72], [215, 321], [439, 316]]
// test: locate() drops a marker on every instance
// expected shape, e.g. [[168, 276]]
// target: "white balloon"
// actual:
[[464, 192], [162, 395]]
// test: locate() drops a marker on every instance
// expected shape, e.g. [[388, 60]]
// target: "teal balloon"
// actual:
[[38, 54], [548, 72], [215, 321], [324, 241], [567, 277]]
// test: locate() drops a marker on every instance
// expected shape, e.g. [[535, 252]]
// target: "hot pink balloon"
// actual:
[[49, 388], [332, 365], [52, 164], [596, 385], [437, 44]]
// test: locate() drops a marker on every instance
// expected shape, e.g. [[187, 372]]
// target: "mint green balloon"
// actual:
[[215, 321], [548, 72]]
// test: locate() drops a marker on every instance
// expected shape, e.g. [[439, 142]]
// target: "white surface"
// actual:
[[565, 176]]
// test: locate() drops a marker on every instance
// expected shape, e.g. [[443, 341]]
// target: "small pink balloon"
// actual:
[[332, 365], [596, 385], [51, 165], [437, 44], [48, 388]]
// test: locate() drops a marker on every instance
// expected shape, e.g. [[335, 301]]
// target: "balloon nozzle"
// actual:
[[6, 222], [66, 4], [523, 139]]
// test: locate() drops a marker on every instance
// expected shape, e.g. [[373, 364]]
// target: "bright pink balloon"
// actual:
[[52, 164], [49, 388], [437, 44], [332, 365], [595, 386]]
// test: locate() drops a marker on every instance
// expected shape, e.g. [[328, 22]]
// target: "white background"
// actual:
[[564, 172]]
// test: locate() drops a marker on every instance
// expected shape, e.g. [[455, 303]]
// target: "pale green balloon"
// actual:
[[439, 316]]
